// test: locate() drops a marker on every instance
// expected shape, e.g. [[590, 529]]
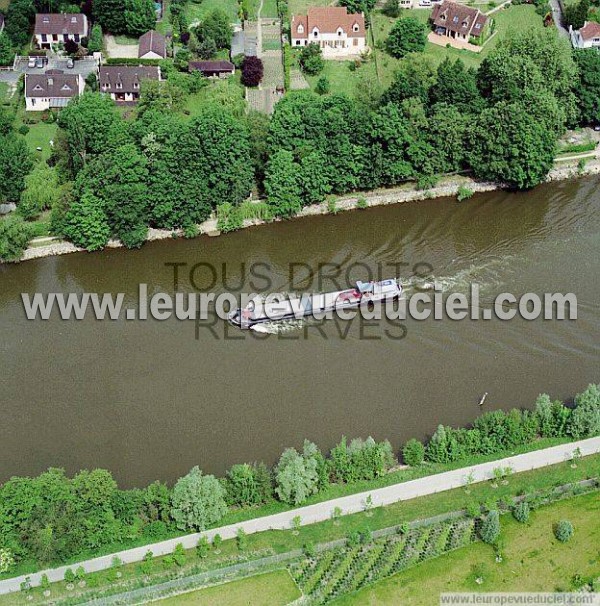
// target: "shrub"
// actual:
[[413, 453], [311, 59], [14, 238], [23, 129], [464, 193], [147, 563], [563, 530], [228, 218], [323, 87], [69, 576], [521, 512], [361, 203], [6, 560], [179, 555], [391, 8], [241, 539], [490, 528], [202, 547]]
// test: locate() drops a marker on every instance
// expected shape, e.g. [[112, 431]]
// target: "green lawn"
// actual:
[[195, 11], [3, 91], [533, 560], [40, 134], [269, 8], [270, 589], [299, 7], [126, 40], [514, 19]]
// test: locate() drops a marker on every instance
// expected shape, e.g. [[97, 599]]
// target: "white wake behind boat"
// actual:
[[294, 307]]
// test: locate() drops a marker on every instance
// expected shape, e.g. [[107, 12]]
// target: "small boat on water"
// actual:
[[294, 307]]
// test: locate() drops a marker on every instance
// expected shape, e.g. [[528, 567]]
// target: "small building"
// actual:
[[58, 28], [123, 82], [152, 45], [213, 69], [336, 31], [458, 21], [586, 37], [52, 90]]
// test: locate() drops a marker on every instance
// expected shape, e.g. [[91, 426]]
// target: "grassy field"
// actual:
[[532, 560], [270, 589], [195, 11], [340, 76], [4, 5], [40, 135], [3, 91]]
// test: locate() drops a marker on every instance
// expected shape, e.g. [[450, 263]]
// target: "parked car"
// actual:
[[31, 62], [39, 62], [70, 63]]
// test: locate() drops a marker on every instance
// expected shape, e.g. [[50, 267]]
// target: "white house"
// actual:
[[586, 37], [51, 90], [336, 31], [57, 28], [123, 82]]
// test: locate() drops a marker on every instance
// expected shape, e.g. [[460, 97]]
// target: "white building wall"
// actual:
[[334, 45], [34, 104]]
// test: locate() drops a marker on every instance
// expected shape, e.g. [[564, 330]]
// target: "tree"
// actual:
[[509, 144], [311, 59], [217, 28], [296, 477], [413, 453], [563, 530], [490, 528], [202, 548], [456, 86], [241, 486], [584, 421], [588, 88], [19, 16], [198, 501], [252, 71], [576, 14], [323, 87], [282, 185], [358, 6], [96, 40], [110, 15], [87, 224], [7, 53], [391, 8], [139, 16], [408, 35], [313, 178], [42, 191], [521, 512], [206, 49], [15, 164]]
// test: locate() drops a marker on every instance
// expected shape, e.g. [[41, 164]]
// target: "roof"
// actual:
[[61, 23], [590, 30], [458, 18], [237, 43], [328, 19], [125, 78], [52, 84], [153, 42], [211, 66]]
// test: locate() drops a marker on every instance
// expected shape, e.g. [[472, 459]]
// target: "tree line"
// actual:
[[51, 518]]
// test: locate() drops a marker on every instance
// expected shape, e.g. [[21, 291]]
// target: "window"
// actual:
[[297, 42], [455, 19], [355, 27], [136, 85], [301, 29], [478, 26]]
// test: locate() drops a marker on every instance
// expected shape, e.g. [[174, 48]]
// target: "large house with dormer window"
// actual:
[[336, 31], [57, 28], [123, 82], [52, 90], [458, 21], [586, 37]]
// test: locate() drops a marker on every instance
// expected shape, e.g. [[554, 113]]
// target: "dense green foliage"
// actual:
[[588, 91], [408, 35], [490, 528], [563, 530], [413, 452], [521, 512], [14, 237], [133, 17], [311, 59]]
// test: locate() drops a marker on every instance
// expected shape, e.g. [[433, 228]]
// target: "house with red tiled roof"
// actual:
[[57, 28], [586, 37], [338, 32], [458, 21]]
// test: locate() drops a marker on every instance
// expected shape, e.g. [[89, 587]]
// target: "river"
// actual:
[[149, 399]]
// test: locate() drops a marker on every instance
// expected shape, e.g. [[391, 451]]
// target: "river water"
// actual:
[[149, 399]]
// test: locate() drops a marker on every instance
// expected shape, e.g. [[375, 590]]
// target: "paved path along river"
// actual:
[[323, 511]]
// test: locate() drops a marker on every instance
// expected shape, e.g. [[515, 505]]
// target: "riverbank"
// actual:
[[566, 168], [321, 512]]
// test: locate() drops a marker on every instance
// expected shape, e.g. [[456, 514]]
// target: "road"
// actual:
[[323, 511]]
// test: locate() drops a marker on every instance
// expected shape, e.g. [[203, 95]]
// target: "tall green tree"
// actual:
[[456, 85], [15, 164], [139, 16], [296, 477], [7, 54], [282, 184], [216, 27], [86, 223], [510, 145], [588, 87], [110, 15], [15, 234], [407, 35], [198, 501]]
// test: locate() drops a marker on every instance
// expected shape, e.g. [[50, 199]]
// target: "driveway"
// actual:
[[120, 51], [83, 66], [558, 18]]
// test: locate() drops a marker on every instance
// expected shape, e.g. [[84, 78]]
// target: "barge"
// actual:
[[293, 307]]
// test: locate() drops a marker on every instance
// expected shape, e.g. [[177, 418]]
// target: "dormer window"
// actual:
[[119, 85], [37, 87], [478, 26], [136, 85], [464, 24], [355, 27], [455, 19], [340, 31], [300, 28], [66, 87], [315, 33], [73, 19], [46, 19]]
